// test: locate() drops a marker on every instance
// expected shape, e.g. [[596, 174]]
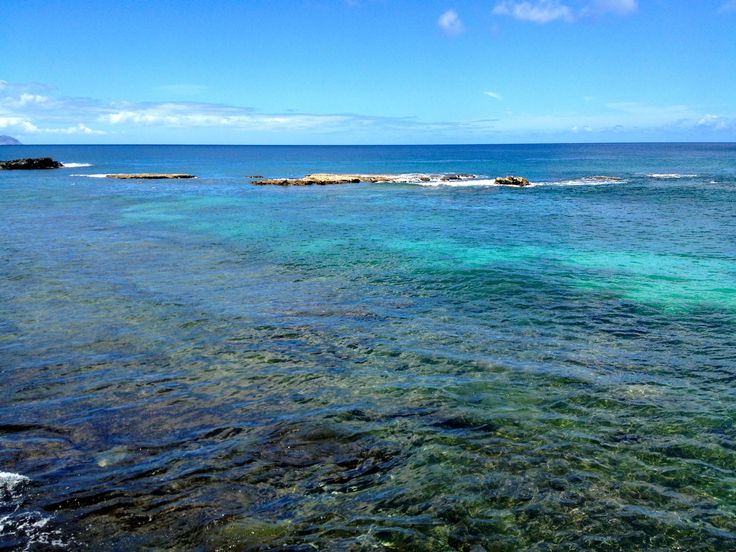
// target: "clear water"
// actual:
[[206, 364]]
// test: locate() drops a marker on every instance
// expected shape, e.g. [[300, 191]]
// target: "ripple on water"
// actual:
[[369, 368]]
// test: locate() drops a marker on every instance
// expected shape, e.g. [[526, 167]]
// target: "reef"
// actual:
[[323, 179], [150, 176], [512, 181]]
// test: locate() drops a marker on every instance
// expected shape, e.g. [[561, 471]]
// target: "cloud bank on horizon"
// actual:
[[490, 75], [29, 115]]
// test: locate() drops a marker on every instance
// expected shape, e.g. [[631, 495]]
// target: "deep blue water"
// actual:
[[206, 364]]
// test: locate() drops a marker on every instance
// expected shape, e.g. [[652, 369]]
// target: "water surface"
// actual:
[[209, 365]]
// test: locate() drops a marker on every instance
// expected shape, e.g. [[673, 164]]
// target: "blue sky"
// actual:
[[367, 71]]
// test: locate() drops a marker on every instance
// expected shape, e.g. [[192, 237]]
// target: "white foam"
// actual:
[[476, 181], [459, 183], [585, 181], [430, 179], [28, 526], [76, 165], [11, 482], [90, 175], [670, 176]]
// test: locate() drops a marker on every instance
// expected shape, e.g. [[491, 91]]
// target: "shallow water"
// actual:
[[212, 365]]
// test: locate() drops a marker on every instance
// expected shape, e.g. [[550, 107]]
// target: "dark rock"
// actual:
[[512, 181], [150, 176], [456, 176], [30, 164], [279, 182], [9, 141], [253, 176]]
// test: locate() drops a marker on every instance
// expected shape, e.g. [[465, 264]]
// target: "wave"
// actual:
[[27, 526], [585, 181], [431, 179], [670, 176], [457, 183], [76, 165], [10, 483]]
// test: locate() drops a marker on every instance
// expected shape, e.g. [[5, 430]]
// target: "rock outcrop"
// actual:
[[512, 181], [149, 176], [323, 179], [454, 177], [30, 164]]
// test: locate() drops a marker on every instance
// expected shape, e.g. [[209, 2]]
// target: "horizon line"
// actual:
[[386, 145]]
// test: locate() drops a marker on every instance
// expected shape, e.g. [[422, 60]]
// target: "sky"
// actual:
[[367, 71]]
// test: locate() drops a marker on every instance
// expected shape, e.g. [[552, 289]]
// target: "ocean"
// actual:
[[211, 365]]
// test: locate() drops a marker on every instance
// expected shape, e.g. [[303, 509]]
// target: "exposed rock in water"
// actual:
[[322, 179], [29, 164], [9, 141], [604, 178], [512, 181], [453, 177], [149, 176]]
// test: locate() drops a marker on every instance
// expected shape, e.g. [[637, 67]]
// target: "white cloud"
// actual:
[[34, 115], [541, 11], [17, 124], [79, 128], [20, 125], [190, 114], [617, 7], [546, 11], [715, 122], [32, 98], [451, 23]]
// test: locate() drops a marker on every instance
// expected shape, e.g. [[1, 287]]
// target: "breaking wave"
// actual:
[[458, 183], [670, 176], [585, 181], [23, 528], [475, 181], [76, 165]]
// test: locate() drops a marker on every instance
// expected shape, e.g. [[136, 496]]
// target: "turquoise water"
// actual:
[[206, 364]]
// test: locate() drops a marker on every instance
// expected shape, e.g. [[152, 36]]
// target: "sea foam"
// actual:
[[458, 183], [585, 181], [10, 484], [76, 165], [670, 176], [28, 526]]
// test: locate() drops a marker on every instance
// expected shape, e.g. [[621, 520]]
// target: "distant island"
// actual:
[[9, 141]]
